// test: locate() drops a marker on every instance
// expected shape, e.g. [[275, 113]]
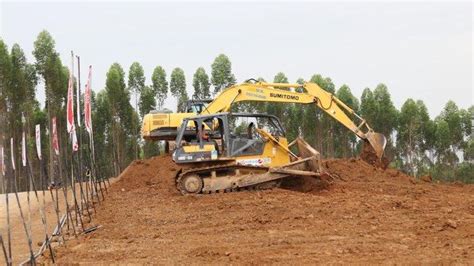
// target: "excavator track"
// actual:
[[187, 181]]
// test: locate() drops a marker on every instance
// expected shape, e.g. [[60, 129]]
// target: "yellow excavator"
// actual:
[[164, 126], [218, 151]]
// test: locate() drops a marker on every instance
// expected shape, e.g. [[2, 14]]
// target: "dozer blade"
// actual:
[[378, 142], [308, 155]]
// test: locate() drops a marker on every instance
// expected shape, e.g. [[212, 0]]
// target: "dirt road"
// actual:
[[365, 216], [19, 243]]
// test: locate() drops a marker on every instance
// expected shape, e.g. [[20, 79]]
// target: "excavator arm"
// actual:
[[282, 93]]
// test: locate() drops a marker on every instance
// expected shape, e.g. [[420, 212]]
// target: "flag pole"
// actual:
[[5, 253], [81, 162], [7, 209], [63, 178], [88, 123], [24, 166], [29, 171], [80, 172], [72, 136], [25, 227], [44, 175]]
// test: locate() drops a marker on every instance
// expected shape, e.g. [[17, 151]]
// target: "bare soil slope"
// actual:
[[365, 216]]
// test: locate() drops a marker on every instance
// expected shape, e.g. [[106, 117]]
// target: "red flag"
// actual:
[[70, 101], [55, 137], [87, 103]]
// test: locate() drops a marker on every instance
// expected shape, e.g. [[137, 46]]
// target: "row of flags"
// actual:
[[70, 124], [70, 107]]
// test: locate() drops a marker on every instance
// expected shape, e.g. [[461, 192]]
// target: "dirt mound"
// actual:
[[345, 170], [359, 170], [159, 173], [305, 184], [156, 173]]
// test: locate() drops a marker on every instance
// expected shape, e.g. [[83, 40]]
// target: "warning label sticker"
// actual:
[[255, 162]]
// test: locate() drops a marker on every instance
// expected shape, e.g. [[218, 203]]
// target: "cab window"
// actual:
[[196, 108]]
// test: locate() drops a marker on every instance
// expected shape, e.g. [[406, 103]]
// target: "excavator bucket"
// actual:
[[373, 150], [378, 142]]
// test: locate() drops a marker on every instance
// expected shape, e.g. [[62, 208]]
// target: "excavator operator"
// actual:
[[251, 131], [203, 134]]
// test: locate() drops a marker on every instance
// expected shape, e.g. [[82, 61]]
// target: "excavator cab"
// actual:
[[163, 124], [195, 106], [230, 151], [226, 136]]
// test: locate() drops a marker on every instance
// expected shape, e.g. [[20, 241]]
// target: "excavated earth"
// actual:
[[361, 215]]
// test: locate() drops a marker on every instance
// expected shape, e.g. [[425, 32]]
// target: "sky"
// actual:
[[421, 50]]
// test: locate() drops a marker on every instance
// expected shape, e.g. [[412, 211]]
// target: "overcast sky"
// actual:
[[419, 50]]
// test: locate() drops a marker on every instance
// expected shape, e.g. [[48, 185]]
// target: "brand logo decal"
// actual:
[[284, 96]]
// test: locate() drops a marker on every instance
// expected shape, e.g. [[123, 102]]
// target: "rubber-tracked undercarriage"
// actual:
[[230, 157]]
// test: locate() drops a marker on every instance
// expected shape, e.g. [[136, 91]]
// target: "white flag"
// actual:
[[87, 104], [23, 141], [75, 145], [12, 154], [2, 161], [38, 140], [23, 149], [55, 137], [78, 97]]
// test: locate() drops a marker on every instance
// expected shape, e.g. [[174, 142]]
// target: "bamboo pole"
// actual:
[[25, 227]]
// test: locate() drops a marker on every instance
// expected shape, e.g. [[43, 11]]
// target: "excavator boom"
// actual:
[[282, 93], [287, 93]]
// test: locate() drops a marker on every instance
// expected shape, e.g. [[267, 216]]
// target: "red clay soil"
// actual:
[[360, 215], [368, 154]]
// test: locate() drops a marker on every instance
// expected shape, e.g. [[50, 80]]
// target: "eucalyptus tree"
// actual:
[[146, 104], [55, 77], [178, 88], [136, 83], [221, 74], [201, 84], [159, 85], [345, 140]]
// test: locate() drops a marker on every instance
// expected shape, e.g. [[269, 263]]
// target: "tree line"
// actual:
[[442, 146]]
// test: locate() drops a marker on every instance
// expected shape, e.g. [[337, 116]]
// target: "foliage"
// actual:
[[221, 74], [322, 125], [345, 141], [147, 101], [410, 133], [159, 85], [136, 78], [124, 120], [178, 87], [201, 84]]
